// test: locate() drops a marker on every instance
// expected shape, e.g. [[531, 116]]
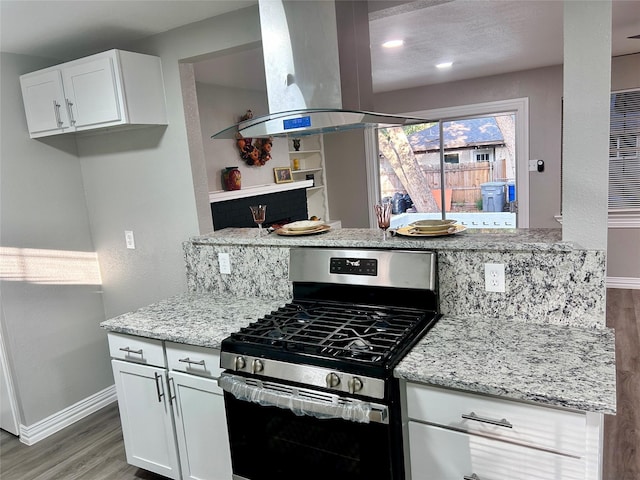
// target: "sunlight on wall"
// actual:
[[52, 267]]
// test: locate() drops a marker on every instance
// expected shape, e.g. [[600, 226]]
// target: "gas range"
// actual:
[[309, 389]]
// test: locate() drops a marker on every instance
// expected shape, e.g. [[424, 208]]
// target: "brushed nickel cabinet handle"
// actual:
[[69, 105], [172, 396], [191, 362], [500, 423], [128, 350], [160, 395], [56, 111]]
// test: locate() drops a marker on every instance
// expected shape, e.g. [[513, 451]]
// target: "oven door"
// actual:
[[286, 432]]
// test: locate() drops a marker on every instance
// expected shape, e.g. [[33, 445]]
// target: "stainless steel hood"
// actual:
[[318, 71], [313, 121]]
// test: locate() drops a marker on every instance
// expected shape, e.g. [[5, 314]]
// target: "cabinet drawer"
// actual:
[[136, 349], [542, 427], [195, 360], [448, 455]]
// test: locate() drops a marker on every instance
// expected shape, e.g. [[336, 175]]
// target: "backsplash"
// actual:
[[557, 286]]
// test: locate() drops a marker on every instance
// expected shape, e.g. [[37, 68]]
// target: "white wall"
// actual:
[[219, 108], [58, 354]]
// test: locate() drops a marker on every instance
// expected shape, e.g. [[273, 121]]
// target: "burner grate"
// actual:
[[360, 333]]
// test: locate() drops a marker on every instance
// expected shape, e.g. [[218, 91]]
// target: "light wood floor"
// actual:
[[92, 448]]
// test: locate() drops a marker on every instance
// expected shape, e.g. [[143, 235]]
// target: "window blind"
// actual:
[[624, 152]]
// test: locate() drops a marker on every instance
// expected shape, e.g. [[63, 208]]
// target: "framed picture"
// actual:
[[283, 174]]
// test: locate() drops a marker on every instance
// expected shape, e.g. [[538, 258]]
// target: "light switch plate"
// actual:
[[129, 239]]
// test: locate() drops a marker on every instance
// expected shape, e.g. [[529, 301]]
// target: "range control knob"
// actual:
[[257, 366], [355, 385], [333, 380], [239, 363]]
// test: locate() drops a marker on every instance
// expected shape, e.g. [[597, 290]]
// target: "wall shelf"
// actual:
[[223, 196]]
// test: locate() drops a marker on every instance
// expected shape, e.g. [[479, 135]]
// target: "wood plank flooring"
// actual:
[[92, 448], [622, 432]]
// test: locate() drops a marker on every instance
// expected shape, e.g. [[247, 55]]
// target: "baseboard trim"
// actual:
[[623, 282], [32, 434]]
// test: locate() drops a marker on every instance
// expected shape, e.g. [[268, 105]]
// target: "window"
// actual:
[[624, 152], [451, 158], [483, 156]]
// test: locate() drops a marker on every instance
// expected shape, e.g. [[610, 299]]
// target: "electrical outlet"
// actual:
[[129, 241], [224, 262], [494, 277]]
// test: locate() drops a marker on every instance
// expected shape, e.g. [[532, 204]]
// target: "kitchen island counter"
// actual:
[[547, 364], [543, 239]]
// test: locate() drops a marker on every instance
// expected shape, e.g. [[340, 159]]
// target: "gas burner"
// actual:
[[359, 345]]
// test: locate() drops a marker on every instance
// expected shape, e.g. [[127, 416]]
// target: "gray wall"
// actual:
[[141, 179], [543, 87], [57, 352]]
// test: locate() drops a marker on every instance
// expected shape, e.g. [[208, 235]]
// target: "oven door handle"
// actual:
[[302, 401]]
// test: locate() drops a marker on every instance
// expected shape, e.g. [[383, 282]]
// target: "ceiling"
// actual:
[[481, 37]]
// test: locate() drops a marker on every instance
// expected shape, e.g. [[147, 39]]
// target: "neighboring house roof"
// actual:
[[458, 134]]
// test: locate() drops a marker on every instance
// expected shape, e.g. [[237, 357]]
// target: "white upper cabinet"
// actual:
[[109, 89]]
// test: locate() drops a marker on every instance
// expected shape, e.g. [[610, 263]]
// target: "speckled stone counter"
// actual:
[[193, 319], [471, 239], [547, 364], [547, 280]]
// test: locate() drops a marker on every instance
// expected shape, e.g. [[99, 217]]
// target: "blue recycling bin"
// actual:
[[511, 191], [492, 196]]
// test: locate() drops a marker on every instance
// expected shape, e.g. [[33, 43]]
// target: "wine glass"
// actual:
[[383, 214], [258, 212]]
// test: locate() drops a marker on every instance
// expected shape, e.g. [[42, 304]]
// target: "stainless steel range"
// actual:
[[309, 388]]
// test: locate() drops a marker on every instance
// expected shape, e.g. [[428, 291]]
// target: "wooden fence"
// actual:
[[464, 179]]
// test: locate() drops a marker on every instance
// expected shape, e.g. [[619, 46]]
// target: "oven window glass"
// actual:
[[273, 443]]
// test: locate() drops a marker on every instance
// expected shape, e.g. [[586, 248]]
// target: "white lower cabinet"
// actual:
[[145, 413], [456, 435], [173, 416], [438, 453]]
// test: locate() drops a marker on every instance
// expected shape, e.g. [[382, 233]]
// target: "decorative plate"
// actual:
[[413, 232], [302, 225], [288, 232]]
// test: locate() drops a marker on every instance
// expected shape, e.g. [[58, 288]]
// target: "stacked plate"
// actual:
[[303, 227], [431, 228]]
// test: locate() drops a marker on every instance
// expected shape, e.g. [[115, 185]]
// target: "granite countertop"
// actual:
[[470, 239], [555, 365], [547, 364], [193, 318]]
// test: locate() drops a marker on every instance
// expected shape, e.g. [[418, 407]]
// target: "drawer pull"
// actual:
[[191, 362], [160, 394], [128, 350], [473, 476], [499, 423]]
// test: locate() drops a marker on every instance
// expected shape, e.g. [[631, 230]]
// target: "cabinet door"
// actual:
[[449, 455], [201, 427], [145, 414], [44, 103], [92, 92]]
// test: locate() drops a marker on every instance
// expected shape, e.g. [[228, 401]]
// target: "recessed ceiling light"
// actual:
[[444, 65], [393, 43]]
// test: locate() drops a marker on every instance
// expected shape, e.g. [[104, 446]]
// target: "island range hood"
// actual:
[[318, 71]]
